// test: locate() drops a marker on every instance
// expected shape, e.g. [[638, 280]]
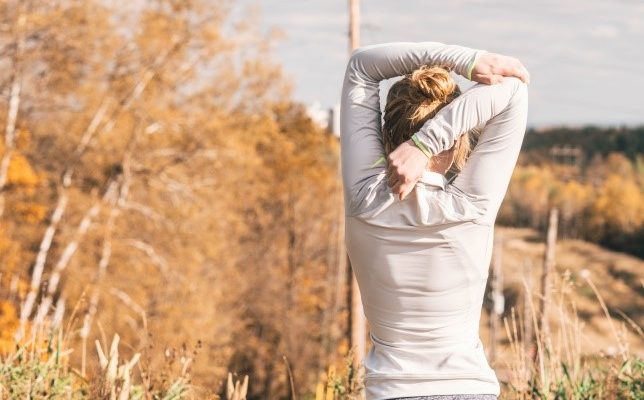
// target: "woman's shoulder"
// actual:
[[426, 205]]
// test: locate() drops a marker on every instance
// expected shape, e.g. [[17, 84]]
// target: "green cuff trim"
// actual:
[[471, 67], [421, 146], [378, 161]]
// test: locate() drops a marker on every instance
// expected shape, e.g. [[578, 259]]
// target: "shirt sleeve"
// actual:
[[362, 147], [503, 109]]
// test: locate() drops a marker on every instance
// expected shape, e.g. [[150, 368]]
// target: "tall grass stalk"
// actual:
[[39, 367], [559, 369]]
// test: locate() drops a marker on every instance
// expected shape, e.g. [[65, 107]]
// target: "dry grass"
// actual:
[[591, 349], [39, 367], [552, 365]]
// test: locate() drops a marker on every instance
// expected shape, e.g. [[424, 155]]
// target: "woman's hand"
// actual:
[[405, 167], [490, 68], [407, 162]]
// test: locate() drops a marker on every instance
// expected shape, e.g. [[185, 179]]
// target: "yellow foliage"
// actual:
[[619, 204], [619, 164], [573, 198], [8, 324], [23, 138], [30, 212], [10, 257], [606, 200], [530, 189], [21, 173], [343, 347]]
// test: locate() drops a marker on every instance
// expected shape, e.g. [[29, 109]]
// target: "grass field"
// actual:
[[594, 347]]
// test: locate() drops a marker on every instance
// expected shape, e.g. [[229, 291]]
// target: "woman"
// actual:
[[419, 245]]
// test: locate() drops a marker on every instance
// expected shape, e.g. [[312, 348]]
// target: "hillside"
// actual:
[[618, 277]]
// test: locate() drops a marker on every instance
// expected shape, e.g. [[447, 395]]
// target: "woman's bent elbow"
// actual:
[[519, 97], [520, 88]]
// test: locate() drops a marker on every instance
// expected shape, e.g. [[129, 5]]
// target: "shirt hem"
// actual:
[[394, 388]]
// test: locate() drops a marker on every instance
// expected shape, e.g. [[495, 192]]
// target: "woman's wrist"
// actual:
[[421, 146], [470, 68]]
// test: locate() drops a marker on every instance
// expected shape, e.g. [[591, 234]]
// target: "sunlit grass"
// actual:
[[553, 363], [39, 367]]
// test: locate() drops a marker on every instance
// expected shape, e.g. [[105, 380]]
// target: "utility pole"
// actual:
[[354, 24], [548, 271], [357, 321]]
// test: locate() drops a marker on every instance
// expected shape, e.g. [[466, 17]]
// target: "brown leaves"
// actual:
[[222, 225]]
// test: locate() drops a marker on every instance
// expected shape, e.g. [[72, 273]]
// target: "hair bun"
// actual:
[[416, 98], [435, 82]]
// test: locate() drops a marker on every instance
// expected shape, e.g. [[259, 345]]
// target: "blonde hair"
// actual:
[[416, 98]]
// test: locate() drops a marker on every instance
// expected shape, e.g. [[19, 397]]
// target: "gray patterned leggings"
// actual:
[[450, 397]]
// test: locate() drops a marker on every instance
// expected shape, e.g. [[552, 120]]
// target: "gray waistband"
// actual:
[[450, 397]]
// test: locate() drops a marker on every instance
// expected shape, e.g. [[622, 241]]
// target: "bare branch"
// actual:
[[106, 253], [134, 306], [82, 146], [14, 105], [156, 259], [41, 258], [69, 252], [148, 212]]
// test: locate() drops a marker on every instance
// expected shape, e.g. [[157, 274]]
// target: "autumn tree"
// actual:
[[160, 181]]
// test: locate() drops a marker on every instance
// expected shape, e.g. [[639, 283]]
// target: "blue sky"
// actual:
[[586, 58]]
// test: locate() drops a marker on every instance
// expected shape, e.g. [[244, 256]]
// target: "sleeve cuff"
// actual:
[[473, 63], [421, 146]]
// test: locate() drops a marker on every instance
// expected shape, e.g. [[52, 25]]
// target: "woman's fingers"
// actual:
[[392, 177], [523, 74], [496, 79], [491, 67], [395, 189], [400, 187], [405, 165], [489, 79], [398, 184], [516, 68], [406, 189]]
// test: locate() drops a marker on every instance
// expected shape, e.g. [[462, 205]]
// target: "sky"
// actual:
[[585, 58]]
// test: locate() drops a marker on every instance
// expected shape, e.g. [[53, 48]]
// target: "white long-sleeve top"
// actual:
[[422, 263]]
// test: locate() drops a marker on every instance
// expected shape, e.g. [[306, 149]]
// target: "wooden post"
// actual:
[[354, 24], [356, 314], [529, 347], [548, 270], [498, 301]]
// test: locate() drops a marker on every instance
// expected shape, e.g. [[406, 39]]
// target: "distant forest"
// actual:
[[591, 140], [594, 176]]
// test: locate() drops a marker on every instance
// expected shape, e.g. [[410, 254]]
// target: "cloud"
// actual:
[[576, 51], [605, 31]]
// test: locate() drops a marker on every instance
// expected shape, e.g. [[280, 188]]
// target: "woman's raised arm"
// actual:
[[502, 110], [489, 167], [360, 116]]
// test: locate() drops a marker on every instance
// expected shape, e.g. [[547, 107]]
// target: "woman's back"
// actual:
[[422, 263], [422, 289]]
